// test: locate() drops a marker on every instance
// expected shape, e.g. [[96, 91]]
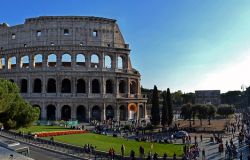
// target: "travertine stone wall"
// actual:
[[85, 57]]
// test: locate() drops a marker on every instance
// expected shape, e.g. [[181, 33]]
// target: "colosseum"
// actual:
[[72, 68]]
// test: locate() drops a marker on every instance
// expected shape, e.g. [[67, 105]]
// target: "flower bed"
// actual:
[[59, 133]]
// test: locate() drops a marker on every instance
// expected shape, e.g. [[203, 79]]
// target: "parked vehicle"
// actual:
[[180, 134]]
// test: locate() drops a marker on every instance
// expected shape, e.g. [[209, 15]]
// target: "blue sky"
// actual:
[[177, 44]]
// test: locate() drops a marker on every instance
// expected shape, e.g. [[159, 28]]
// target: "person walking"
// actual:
[[203, 154], [122, 150], [201, 137]]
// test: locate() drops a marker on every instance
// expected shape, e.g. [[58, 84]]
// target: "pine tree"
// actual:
[[170, 115], [164, 110], [155, 111]]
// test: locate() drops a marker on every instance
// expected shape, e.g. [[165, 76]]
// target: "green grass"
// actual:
[[33, 129], [103, 143]]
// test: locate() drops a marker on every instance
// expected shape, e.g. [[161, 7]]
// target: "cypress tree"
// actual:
[[170, 115], [164, 110], [155, 111]]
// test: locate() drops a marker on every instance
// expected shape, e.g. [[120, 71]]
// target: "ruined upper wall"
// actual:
[[62, 30]]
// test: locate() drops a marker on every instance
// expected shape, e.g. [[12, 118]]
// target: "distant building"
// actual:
[[207, 97]]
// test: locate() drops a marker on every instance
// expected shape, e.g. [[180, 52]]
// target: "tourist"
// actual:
[[132, 155], [195, 139], [141, 151], [174, 156], [203, 154], [155, 156], [241, 156], [201, 137], [122, 150], [165, 156]]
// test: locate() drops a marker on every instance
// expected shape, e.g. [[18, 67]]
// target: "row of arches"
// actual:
[[66, 61], [96, 113], [66, 86]]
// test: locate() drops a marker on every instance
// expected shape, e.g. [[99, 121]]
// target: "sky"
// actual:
[[183, 45]]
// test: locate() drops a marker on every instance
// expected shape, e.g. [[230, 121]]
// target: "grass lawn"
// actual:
[[33, 129], [103, 143]]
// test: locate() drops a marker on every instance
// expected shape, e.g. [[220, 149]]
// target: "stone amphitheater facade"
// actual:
[[72, 68]]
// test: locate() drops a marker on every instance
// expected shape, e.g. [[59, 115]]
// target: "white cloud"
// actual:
[[228, 76]]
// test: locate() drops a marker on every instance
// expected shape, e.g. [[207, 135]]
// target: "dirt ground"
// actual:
[[216, 125]]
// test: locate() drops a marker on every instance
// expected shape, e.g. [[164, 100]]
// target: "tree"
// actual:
[[155, 109], [194, 111], [170, 115], [15, 111], [177, 98], [226, 110], [186, 112], [201, 112], [211, 110], [164, 110]]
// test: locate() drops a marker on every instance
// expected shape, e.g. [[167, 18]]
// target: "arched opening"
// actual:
[[120, 63], [12, 62], [141, 111], [40, 111], [95, 86], [66, 86], [24, 62], [2, 63], [132, 108], [37, 86], [80, 88], [51, 112], [66, 113], [80, 113], [96, 113], [109, 86], [133, 87], [80, 60], [123, 113], [107, 62], [38, 61], [24, 86], [51, 60], [122, 86], [66, 60], [51, 85], [94, 61], [110, 113]]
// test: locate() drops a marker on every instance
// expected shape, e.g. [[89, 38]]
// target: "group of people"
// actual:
[[88, 148]]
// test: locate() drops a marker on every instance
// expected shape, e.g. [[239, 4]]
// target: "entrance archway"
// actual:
[[110, 112], [51, 112], [132, 110], [80, 113], [96, 113], [141, 111], [66, 113], [123, 114]]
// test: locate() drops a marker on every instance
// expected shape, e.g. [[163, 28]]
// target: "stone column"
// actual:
[[58, 85], [89, 86], [44, 85], [114, 62], [58, 111], [87, 60], [103, 117], [18, 60], [128, 87], [6, 63], [101, 60], [73, 60], [117, 112], [58, 60], [31, 61], [73, 112], [30, 88], [44, 61], [44, 112]]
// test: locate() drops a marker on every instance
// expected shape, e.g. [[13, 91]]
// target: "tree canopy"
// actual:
[[155, 110], [15, 112]]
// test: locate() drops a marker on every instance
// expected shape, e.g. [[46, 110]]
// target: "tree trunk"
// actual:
[[190, 124], [209, 121], [193, 120], [201, 122]]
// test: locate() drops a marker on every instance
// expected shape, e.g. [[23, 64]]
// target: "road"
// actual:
[[42, 154]]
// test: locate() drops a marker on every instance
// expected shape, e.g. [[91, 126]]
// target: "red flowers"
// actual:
[[59, 133]]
